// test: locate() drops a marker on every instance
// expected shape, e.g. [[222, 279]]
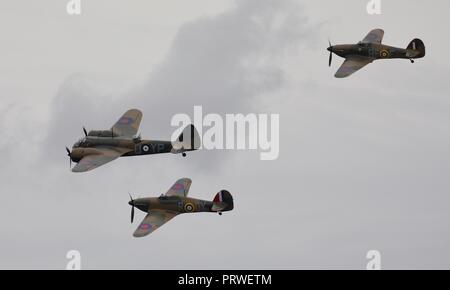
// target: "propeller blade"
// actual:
[[330, 59], [85, 131], [132, 208], [70, 157]]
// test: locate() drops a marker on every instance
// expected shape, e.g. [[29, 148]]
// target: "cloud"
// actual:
[[221, 63], [362, 163]]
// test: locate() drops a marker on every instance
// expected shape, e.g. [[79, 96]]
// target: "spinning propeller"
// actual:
[[131, 202], [70, 153], [70, 156], [330, 48]]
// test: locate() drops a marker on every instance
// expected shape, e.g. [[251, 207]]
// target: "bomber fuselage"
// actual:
[[131, 147]]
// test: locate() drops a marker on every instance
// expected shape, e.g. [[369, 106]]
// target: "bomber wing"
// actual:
[[103, 156], [152, 221], [128, 124], [375, 36], [180, 188], [351, 65]]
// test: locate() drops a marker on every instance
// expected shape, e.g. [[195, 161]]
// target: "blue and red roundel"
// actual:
[[145, 226], [125, 121], [178, 186]]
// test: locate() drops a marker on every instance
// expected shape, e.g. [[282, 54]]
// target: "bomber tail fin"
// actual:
[[415, 49], [223, 201], [188, 140]]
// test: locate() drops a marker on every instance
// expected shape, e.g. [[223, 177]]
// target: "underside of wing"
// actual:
[[352, 65], [128, 124], [153, 221], [180, 188], [93, 161], [375, 36]]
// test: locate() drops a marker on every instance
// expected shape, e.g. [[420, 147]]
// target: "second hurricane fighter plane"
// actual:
[[165, 207], [100, 147], [369, 49]]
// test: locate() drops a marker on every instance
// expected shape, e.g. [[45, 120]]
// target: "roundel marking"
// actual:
[[189, 207], [384, 53], [126, 121], [145, 148], [145, 226], [178, 186]]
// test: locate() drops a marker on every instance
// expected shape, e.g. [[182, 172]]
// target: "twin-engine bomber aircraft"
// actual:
[[369, 49], [162, 209], [100, 147]]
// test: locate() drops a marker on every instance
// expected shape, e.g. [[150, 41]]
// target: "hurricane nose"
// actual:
[[329, 48], [130, 203]]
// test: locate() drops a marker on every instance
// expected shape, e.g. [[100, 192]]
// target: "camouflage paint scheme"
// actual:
[[162, 209], [100, 147], [370, 49]]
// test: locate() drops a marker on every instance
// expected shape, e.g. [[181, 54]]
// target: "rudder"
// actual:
[[188, 140], [416, 49], [223, 201]]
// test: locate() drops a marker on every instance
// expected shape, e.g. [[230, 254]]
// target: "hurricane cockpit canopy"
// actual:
[[163, 197], [363, 44]]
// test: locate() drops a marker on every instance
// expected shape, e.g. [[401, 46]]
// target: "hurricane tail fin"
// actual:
[[223, 201], [416, 49]]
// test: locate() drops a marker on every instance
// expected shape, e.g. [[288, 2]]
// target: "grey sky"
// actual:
[[363, 163]]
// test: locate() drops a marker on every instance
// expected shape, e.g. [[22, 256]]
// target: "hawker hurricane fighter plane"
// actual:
[[165, 207], [369, 49], [100, 147]]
